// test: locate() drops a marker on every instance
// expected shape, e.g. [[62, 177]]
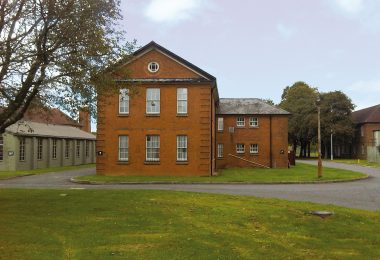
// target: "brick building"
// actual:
[[367, 130], [162, 122]]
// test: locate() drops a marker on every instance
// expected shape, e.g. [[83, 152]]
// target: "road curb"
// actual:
[[216, 183]]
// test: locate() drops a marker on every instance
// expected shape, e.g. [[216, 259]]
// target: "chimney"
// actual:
[[85, 119]]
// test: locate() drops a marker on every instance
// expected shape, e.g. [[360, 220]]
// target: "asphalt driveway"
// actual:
[[363, 194]]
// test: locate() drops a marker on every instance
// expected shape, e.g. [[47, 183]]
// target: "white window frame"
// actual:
[[253, 122], [1, 148], [67, 149], [124, 101], [153, 101], [254, 148], [152, 148], [239, 122], [153, 66], [220, 150], [123, 147], [39, 148], [220, 124], [240, 148], [77, 148], [54, 148], [182, 99], [182, 148], [22, 150]]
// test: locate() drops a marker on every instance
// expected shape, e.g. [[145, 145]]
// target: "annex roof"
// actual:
[[248, 106], [29, 128], [367, 115]]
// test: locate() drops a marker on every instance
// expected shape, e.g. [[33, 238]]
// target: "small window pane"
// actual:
[[240, 121], [22, 149], [182, 100], [220, 124], [123, 148], [254, 148], [182, 148], [153, 101], [220, 150], [240, 148], [253, 121], [153, 148], [39, 149], [124, 101]]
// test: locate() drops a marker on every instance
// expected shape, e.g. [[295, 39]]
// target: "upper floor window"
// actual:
[[39, 149], [181, 100], [123, 147], [240, 122], [124, 101], [240, 148], [181, 148], [54, 152], [22, 149], [220, 150], [254, 148], [220, 124], [1, 148], [253, 122], [153, 101], [153, 148], [153, 67]]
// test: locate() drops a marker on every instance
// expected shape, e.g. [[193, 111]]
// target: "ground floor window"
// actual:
[[1, 148], [220, 150], [54, 152], [240, 148], [181, 148], [22, 149], [67, 148], [254, 148], [153, 148], [78, 149], [87, 148], [39, 148], [123, 147]]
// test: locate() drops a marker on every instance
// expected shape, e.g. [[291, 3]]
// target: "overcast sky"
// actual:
[[255, 48]]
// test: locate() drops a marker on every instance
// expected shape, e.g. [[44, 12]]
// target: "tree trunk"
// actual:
[[308, 149]]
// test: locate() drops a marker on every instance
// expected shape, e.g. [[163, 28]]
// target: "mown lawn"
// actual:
[[130, 224], [299, 173], [357, 162], [9, 174]]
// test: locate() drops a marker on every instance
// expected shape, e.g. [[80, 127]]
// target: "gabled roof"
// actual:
[[154, 45], [248, 106], [28, 128], [367, 115], [48, 116]]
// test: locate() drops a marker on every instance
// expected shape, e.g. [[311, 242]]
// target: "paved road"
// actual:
[[364, 194]]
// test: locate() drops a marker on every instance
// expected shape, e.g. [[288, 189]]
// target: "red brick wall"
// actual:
[[270, 146], [366, 140], [196, 125]]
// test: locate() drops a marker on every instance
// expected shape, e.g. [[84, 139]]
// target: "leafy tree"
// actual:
[[336, 109], [299, 99], [268, 101], [51, 50]]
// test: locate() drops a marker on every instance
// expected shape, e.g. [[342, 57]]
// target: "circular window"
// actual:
[[153, 67]]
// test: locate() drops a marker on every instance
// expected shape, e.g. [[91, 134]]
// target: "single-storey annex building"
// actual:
[[47, 138], [168, 119]]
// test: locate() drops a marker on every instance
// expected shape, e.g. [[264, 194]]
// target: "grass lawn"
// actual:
[[9, 174], [357, 162], [299, 173], [130, 224]]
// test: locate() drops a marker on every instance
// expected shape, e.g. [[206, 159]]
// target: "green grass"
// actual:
[[10, 174], [299, 173], [128, 224], [357, 162]]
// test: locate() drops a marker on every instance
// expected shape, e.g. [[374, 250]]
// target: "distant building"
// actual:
[[168, 119], [47, 138], [367, 130]]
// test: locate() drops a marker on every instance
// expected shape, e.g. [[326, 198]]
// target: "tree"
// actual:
[[268, 101], [336, 109], [51, 52], [299, 99]]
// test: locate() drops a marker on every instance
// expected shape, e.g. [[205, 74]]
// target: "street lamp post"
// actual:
[[331, 141], [319, 138]]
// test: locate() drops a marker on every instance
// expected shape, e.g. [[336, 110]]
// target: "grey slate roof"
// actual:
[[28, 128], [367, 115], [248, 106]]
